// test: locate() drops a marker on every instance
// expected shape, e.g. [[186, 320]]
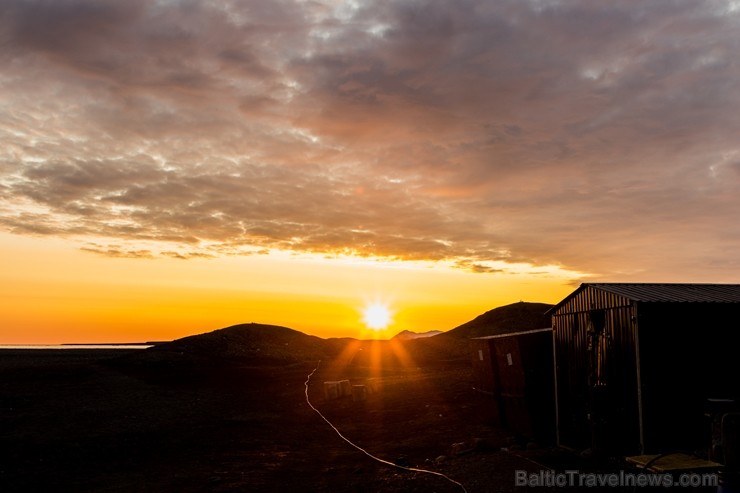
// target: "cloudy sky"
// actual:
[[576, 140]]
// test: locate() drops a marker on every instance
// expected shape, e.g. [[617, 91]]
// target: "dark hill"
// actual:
[[503, 320], [244, 343], [259, 344], [252, 340]]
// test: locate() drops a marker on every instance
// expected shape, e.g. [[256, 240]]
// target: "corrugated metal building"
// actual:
[[635, 364], [516, 370]]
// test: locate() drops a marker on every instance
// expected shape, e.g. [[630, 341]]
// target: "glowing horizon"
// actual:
[[62, 294]]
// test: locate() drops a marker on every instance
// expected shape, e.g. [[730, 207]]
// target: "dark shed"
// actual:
[[635, 364], [516, 370]]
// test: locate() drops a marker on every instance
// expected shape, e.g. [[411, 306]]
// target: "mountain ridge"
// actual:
[[410, 334], [265, 344], [504, 319]]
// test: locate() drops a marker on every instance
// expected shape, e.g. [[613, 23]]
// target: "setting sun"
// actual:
[[377, 316]]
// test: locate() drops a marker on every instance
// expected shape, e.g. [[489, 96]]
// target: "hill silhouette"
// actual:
[[264, 345], [503, 320], [243, 343], [252, 340]]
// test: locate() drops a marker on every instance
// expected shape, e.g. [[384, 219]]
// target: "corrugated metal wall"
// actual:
[[571, 368], [596, 371], [527, 388], [516, 371], [686, 355], [486, 378], [484, 374]]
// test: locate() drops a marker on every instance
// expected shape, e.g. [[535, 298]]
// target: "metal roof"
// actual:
[[664, 292], [674, 293]]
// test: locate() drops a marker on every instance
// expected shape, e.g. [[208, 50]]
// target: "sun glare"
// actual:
[[377, 316]]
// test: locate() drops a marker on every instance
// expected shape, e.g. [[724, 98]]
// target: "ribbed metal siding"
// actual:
[[581, 368], [571, 367], [591, 298]]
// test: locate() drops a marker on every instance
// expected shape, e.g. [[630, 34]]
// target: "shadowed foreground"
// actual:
[[176, 419], [81, 421]]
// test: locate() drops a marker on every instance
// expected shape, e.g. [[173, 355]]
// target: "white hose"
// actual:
[[414, 469]]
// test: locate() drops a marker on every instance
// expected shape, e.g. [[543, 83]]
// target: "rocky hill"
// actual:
[[503, 320]]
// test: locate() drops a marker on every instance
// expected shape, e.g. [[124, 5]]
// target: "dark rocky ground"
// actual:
[[226, 411], [81, 421]]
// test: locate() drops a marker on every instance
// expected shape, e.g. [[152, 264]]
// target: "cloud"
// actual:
[[186, 256], [601, 138], [118, 252], [478, 268]]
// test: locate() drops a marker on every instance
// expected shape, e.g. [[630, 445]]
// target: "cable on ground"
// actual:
[[382, 461]]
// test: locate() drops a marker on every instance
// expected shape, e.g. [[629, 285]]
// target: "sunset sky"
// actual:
[[172, 167]]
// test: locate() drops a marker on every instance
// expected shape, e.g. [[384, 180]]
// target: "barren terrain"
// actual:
[[227, 411]]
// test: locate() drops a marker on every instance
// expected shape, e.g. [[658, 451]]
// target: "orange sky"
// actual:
[[168, 168], [55, 293]]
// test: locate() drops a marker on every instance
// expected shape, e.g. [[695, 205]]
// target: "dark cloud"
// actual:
[[601, 138]]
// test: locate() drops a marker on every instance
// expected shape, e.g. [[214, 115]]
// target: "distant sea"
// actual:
[[75, 346]]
